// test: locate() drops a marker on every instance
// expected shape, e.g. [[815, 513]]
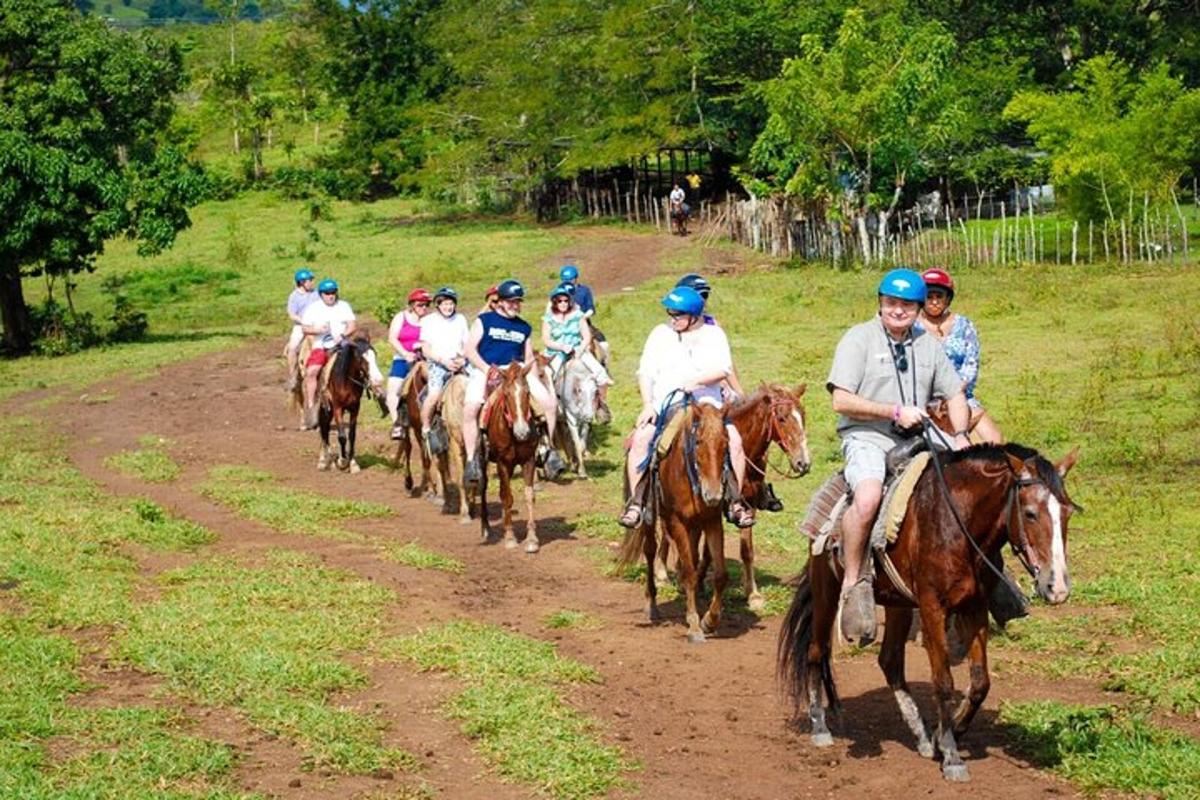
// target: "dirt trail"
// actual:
[[703, 720]]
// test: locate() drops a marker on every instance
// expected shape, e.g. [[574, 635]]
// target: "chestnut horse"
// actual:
[[999, 494], [772, 415], [510, 440], [340, 402], [413, 440], [686, 492]]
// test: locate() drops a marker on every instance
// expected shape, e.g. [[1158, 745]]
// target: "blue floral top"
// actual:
[[962, 347], [567, 331]]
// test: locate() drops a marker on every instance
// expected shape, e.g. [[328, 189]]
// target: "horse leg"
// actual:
[[353, 434], [325, 457], [404, 456], [825, 589], [532, 545], [506, 504], [485, 531], [660, 562], [754, 598], [714, 539], [689, 578], [649, 546], [342, 461], [891, 661], [933, 629], [974, 628]]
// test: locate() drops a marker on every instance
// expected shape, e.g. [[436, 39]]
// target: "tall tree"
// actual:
[[82, 112]]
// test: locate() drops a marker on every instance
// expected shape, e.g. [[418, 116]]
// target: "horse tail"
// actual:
[[795, 636], [632, 548]]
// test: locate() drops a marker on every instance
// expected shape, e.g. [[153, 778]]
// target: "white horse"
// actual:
[[577, 403]]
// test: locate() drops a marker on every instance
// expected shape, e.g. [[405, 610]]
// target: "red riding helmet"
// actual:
[[419, 296], [493, 290], [939, 278]]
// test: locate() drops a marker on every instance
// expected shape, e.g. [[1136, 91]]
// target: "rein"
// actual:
[[773, 435], [1020, 551]]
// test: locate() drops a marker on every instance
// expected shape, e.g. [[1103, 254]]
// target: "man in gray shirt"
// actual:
[[884, 373]]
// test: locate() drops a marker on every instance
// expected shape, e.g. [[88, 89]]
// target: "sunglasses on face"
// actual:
[[421, 305], [900, 356]]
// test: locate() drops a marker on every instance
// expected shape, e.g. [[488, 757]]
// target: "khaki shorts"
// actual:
[[864, 461]]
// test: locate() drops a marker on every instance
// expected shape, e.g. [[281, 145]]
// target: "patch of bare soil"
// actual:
[[704, 720]]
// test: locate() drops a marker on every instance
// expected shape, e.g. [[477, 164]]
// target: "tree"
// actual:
[[1117, 137], [82, 158], [852, 122]]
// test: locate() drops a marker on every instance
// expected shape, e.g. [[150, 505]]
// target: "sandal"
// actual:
[[741, 515]]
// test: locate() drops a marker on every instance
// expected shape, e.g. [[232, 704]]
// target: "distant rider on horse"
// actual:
[[497, 339], [298, 300], [403, 335], [885, 371], [444, 342], [331, 321], [682, 354], [566, 333], [568, 276]]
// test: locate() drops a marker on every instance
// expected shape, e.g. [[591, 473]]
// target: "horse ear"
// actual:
[[801, 389], [529, 366], [1068, 461], [1017, 464]]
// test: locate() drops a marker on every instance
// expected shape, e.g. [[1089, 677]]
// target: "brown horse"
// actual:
[[772, 415], [687, 490], [679, 219], [510, 440], [413, 439], [339, 403], [1001, 494]]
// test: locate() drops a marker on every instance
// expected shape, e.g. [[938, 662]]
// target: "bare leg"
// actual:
[[855, 525], [470, 428], [984, 426], [392, 398]]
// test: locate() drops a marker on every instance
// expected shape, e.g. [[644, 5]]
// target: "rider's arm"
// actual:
[[960, 418], [472, 349], [549, 342], [528, 350], [394, 334], [314, 326], [585, 332], [734, 382], [646, 390], [351, 329]]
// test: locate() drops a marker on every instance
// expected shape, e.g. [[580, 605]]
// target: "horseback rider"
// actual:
[[732, 385], [683, 354], [403, 335], [444, 342], [566, 333], [677, 198], [332, 321], [961, 343], [568, 276], [298, 300], [489, 299], [497, 339], [884, 373]]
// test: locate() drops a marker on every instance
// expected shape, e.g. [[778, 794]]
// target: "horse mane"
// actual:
[[748, 403], [359, 344], [1046, 472]]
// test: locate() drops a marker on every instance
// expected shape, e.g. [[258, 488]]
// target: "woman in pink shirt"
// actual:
[[403, 335]]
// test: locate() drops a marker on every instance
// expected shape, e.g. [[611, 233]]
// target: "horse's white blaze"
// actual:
[[373, 367], [520, 426], [803, 435], [1058, 548]]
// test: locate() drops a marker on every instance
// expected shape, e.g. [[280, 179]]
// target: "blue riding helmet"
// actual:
[[568, 273], [445, 291], [562, 289], [695, 281], [510, 290], [327, 286], [303, 275], [904, 284], [685, 300]]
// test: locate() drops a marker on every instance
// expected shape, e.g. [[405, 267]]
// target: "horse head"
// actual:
[[1038, 527], [787, 420], [515, 399], [711, 445], [579, 391]]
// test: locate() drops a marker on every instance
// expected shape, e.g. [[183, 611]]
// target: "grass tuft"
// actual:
[[569, 618], [149, 464], [414, 555]]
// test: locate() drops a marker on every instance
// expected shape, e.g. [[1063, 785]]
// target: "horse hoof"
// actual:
[[342, 464], [408, 484], [510, 543], [695, 637], [707, 626], [465, 520], [757, 602], [652, 614], [822, 739], [925, 749], [956, 772], [355, 468], [661, 575], [532, 547], [323, 466]]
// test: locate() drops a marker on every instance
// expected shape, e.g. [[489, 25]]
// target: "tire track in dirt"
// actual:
[[703, 720]]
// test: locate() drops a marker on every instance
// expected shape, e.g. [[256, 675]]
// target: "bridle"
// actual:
[[776, 436]]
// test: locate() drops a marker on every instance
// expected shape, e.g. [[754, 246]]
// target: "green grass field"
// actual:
[[1102, 357]]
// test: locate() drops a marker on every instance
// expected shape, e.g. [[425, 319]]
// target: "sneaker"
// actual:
[[398, 430], [1006, 601], [741, 515], [767, 501], [631, 517], [472, 474], [555, 465], [858, 613]]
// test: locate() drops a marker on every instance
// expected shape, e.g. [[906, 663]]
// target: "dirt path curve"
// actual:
[[702, 720]]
